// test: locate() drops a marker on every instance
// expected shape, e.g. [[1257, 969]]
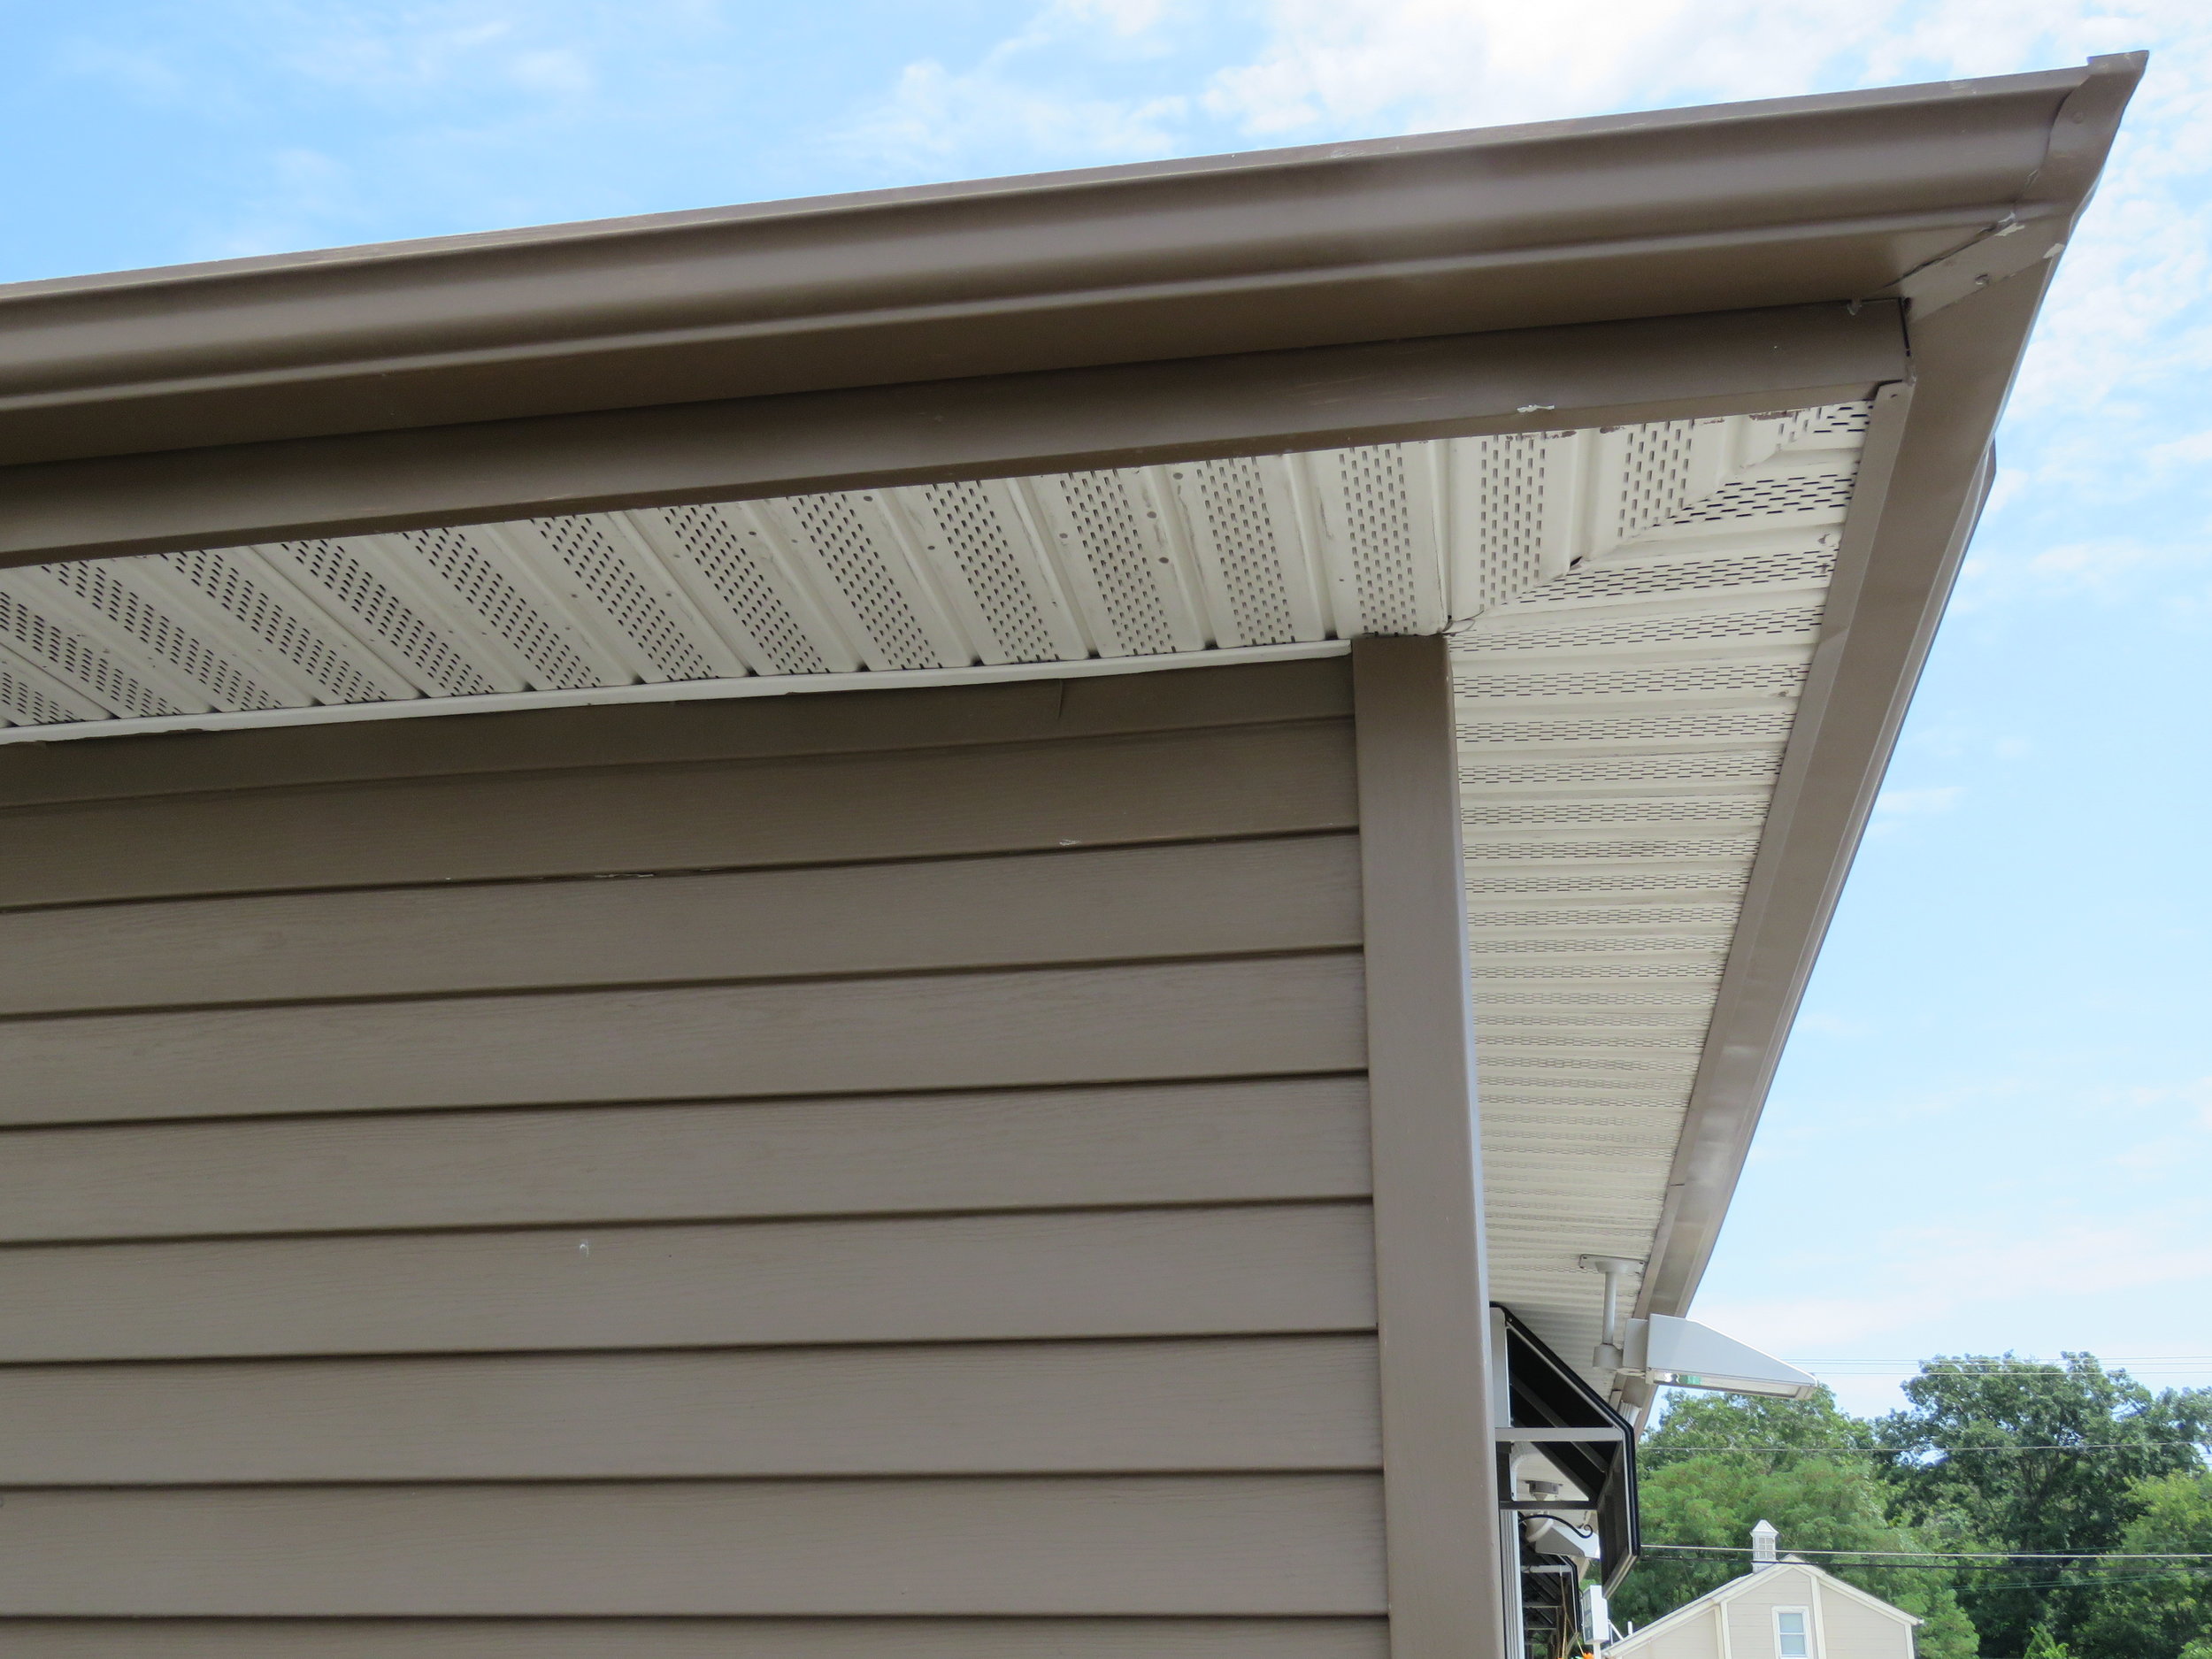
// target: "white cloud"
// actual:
[[2126, 316], [2110, 569], [1828, 1024], [456, 47], [2193, 451], [304, 191], [1929, 1274], [1420, 64], [141, 71], [559, 72], [935, 115], [1918, 803], [1126, 17], [1017, 97]]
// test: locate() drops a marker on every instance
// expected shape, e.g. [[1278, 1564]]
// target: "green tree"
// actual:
[[2156, 1608], [1710, 1471], [1984, 1458]]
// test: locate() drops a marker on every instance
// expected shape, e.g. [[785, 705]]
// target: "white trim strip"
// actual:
[[674, 691]]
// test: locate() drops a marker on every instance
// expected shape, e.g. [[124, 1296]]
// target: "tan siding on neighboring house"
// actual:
[[929, 1216], [1843, 1626], [1697, 1636], [1737, 1621], [1750, 1613], [1849, 1628]]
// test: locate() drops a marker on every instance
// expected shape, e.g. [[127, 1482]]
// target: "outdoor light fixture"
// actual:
[[1683, 1353]]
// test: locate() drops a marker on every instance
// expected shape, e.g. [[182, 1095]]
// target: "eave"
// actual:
[[1888, 248]]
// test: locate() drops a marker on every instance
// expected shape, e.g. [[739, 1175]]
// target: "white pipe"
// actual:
[[1610, 1355]]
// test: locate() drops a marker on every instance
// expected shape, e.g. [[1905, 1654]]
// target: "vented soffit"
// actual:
[[1632, 612], [1203, 561]]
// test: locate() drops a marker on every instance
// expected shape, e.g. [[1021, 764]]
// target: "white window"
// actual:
[[1793, 1633]]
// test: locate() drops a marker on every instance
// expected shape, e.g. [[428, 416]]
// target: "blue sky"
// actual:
[[1993, 1126]]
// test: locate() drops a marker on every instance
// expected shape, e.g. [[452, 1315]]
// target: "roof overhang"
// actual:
[[1518, 287]]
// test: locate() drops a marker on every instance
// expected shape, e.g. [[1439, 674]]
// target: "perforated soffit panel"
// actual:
[[1630, 612]]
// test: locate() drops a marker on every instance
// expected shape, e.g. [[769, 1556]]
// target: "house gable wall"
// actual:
[[1845, 1626]]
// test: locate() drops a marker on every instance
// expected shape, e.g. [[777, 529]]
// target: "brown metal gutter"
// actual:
[[1743, 206], [989, 426]]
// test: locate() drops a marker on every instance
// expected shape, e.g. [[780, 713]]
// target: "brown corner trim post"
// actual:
[[1439, 1477]]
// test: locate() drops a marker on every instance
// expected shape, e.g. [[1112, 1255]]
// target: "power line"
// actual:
[[1942, 1555], [2103, 1359], [2166, 1576], [1946, 1451], [2056, 1370]]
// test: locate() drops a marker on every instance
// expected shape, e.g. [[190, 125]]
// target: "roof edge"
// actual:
[[1075, 420], [1730, 207], [1925, 477], [690, 222]]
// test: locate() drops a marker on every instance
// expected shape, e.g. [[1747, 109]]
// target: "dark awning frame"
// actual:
[[1594, 1444]]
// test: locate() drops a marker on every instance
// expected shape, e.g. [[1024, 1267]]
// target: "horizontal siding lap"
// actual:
[[952, 1031], [1294, 894], [1068, 1274], [1012, 797], [697, 1638], [1191, 698], [1022, 1407], [1282, 1138], [1224, 1544]]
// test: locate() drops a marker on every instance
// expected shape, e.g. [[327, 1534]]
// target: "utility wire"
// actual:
[[1913, 1373], [1946, 1451], [2103, 1359], [1943, 1554], [2170, 1575]]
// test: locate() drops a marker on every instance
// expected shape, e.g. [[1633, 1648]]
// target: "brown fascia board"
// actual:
[[1735, 207], [988, 426], [1175, 266], [1923, 478]]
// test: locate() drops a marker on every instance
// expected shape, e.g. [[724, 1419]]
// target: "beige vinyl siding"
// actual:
[[1041, 1025], [1149, 1143], [1696, 1636], [1084, 906], [989, 1408], [1215, 1544], [591, 821], [1843, 1626], [1738, 1621], [931, 1187], [699, 1639], [1850, 1629], [931, 1278]]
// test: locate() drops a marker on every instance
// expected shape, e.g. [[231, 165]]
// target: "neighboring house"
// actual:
[[1780, 1609], [521, 1139]]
